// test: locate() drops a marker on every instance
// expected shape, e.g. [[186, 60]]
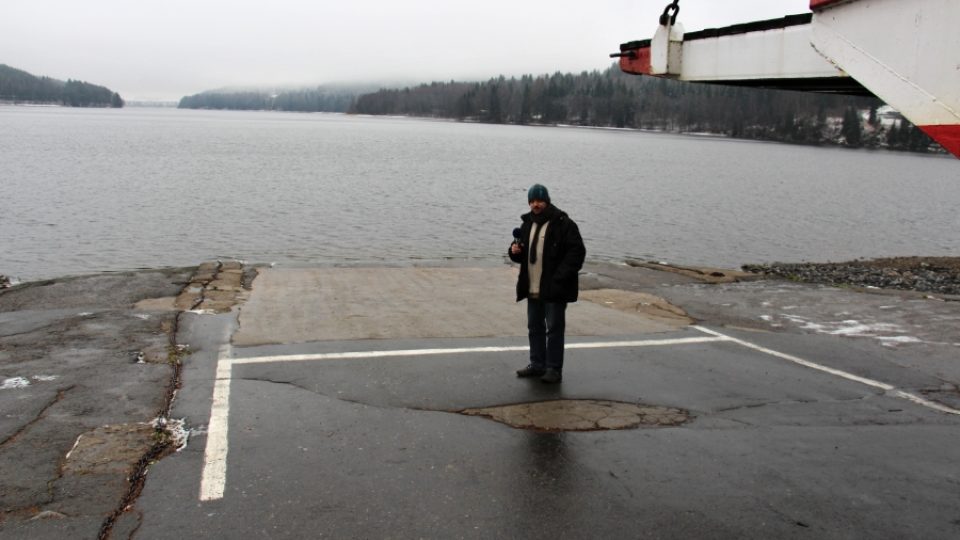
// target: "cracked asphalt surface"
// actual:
[[75, 344], [372, 446]]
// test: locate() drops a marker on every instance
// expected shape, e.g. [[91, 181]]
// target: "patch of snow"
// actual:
[[84, 314], [44, 378], [14, 382], [200, 311], [767, 318], [48, 514], [814, 327], [143, 316], [854, 328], [176, 428], [899, 339], [74, 447]]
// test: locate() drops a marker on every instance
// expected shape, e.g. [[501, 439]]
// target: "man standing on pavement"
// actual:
[[550, 252]]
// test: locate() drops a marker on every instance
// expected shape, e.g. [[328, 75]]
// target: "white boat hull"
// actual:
[[906, 52]]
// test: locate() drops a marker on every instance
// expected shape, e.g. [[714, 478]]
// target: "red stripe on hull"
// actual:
[[947, 136], [639, 64], [820, 4]]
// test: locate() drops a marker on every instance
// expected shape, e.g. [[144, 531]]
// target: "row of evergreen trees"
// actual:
[[614, 99], [19, 86], [901, 134], [319, 99]]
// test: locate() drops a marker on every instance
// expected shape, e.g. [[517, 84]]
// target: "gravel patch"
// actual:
[[939, 275]]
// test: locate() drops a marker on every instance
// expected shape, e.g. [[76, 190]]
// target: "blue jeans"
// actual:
[[546, 322]]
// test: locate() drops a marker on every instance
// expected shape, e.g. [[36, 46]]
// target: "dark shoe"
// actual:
[[552, 376], [530, 371]]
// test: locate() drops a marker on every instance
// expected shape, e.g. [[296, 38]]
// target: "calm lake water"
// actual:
[[99, 190]]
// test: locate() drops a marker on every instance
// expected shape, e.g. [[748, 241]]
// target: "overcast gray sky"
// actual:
[[165, 50]]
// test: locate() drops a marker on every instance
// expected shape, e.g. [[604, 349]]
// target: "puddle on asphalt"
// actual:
[[582, 415]]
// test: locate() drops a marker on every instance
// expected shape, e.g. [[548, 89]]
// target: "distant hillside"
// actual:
[[19, 86], [324, 98]]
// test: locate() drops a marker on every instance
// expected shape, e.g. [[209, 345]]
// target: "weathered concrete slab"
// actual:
[[321, 304], [215, 288], [91, 353], [646, 305]]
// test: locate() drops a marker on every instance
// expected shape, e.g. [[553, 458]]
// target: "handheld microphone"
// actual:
[[516, 235]]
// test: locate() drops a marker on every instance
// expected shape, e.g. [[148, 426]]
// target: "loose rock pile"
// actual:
[[924, 274]]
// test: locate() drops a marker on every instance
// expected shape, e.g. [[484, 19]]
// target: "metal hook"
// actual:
[[666, 17]]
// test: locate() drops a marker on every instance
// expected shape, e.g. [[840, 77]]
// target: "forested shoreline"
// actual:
[[613, 99], [18, 86], [324, 98], [610, 98]]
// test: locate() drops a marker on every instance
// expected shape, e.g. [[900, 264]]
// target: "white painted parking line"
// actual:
[[888, 388], [463, 350], [214, 476]]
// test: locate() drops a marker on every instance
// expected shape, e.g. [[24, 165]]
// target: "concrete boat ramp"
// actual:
[[345, 402]]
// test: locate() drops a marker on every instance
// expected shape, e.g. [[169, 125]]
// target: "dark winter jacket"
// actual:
[[563, 255]]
